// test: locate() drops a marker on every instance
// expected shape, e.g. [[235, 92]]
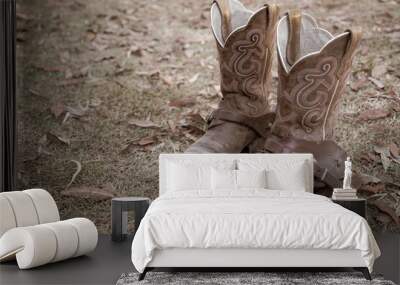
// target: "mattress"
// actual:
[[250, 219]]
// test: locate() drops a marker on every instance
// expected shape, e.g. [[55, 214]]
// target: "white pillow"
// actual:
[[292, 180], [231, 180], [223, 179], [251, 178], [282, 174], [182, 177]]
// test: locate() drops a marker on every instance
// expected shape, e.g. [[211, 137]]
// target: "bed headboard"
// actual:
[[211, 158]]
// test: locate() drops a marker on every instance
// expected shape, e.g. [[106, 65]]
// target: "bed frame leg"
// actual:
[[143, 274], [364, 271]]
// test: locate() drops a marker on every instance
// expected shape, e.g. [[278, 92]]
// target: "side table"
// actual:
[[358, 206], [119, 215]]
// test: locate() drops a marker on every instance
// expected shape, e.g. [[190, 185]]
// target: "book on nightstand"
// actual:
[[344, 194]]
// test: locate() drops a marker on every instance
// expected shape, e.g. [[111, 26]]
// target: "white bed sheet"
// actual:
[[253, 218]]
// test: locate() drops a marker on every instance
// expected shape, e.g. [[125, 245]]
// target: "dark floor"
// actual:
[[389, 262], [103, 266], [110, 260]]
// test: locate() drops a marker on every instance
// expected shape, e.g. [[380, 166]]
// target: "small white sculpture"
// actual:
[[347, 174]]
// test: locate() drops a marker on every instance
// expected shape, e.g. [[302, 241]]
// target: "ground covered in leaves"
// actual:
[[105, 86]]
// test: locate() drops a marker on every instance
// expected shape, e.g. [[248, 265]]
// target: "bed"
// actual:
[[247, 210]]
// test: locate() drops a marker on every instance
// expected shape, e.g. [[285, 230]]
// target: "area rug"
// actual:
[[244, 278]]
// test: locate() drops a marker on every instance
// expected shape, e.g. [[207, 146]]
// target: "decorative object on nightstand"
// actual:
[[347, 174], [119, 214], [358, 205], [345, 193]]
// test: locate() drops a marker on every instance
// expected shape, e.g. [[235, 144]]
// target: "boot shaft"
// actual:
[[313, 67], [245, 42]]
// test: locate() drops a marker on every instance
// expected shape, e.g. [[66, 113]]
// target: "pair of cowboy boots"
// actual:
[[313, 67]]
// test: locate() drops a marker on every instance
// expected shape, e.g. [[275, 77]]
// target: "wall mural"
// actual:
[[102, 91]]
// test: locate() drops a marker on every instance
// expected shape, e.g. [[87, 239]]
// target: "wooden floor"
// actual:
[[110, 260]]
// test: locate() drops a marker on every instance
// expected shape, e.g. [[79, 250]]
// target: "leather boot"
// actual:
[[245, 43], [313, 67]]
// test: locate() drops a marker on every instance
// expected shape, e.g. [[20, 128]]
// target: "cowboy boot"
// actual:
[[245, 42], [313, 67]]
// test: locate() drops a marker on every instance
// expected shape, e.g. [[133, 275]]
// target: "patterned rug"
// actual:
[[243, 278]]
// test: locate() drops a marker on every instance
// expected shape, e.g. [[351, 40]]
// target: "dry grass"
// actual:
[[76, 52]]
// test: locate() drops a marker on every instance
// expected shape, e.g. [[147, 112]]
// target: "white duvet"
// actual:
[[250, 219]]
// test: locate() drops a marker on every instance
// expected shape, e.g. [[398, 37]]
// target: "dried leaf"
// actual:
[[42, 144], [135, 50], [156, 147], [23, 16], [104, 58], [77, 111], [384, 153], [57, 109], [367, 179], [374, 114], [68, 74], [125, 149], [21, 36], [381, 205], [184, 102], [172, 125], [143, 123], [69, 82], [43, 140], [167, 80], [367, 183], [382, 149], [78, 170], [369, 157], [377, 82], [59, 138], [396, 108], [373, 188], [91, 35], [84, 71], [90, 192], [194, 78], [155, 74], [35, 92], [393, 93], [188, 53], [122, 70], [66, 117], [378, 70], [197, 117], [355, 86], [146, 141], [49, 68], [386, 161], [65, 57], [394, 150]]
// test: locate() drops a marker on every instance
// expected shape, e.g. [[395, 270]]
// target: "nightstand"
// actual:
[[358, 206], [119, 215]]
